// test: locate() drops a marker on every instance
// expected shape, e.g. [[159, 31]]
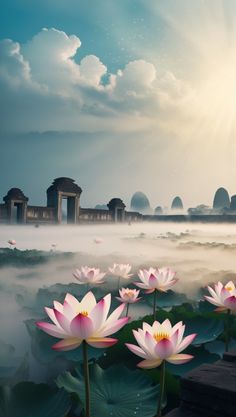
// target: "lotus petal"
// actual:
[[179, 358], [67, 344], [150, 363], [164, 349], [103, 342], [81, 326]]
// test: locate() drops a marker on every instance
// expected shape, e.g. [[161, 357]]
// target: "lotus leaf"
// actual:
[[116, 391]]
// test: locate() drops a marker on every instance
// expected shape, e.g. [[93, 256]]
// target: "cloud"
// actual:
[[136, 79], [14, 70], [46, 86], [92, 70], [50, 56]]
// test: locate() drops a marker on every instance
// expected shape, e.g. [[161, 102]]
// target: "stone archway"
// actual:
[[117, 209], [64, 188], [16, 203]]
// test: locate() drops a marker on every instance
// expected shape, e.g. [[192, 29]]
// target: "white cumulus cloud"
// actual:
[[46, 80], [137, 78]]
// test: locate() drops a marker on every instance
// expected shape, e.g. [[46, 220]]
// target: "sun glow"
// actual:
[[216, 96], [202, 36]]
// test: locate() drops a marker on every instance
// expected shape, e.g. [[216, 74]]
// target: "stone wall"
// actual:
[[133, 216], [98, 215], [47, 215], [87, 215], [37, 214]]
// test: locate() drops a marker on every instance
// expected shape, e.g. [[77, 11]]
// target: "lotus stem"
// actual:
[[227, 330], [127, 309], [86, 379], [162, 384], [154, 305]]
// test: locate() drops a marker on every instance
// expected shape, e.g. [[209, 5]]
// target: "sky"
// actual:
[[122, 96]]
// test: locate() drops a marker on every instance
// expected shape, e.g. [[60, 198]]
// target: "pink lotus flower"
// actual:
[[223, 296], [12, 242], [98, 240], [88, 321], [160, 279], [89, 275], [161, 342], [121, 270], [128, 296]]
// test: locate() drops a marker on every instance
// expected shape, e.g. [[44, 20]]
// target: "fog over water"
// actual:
[[199, 253]]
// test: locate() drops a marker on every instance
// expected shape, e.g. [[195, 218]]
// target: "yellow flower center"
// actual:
[[84, 313], [228, 288], [130, 293], [160, 336]]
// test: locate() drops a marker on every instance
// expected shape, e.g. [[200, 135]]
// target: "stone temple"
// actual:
[[17, 210]]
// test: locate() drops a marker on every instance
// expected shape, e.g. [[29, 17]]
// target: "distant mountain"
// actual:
[[221, 199], [177, 204], [233, 203], [140, 203]]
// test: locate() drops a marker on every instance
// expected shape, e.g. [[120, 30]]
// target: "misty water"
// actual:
[[199, 253]]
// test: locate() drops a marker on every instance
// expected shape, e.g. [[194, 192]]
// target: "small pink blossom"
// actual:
[[98, 240], [87, 275], [121, 270], [128, 296], [160, 279]]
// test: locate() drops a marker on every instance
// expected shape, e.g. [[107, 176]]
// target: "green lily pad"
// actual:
[[200, 356], [207, 329], [116, 391], [166, 299], [45, 296], [29, 257], [218, 347], [13, 368], [206, 307], [27, 399]]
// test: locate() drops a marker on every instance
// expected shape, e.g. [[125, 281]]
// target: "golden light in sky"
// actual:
[[204, 43]]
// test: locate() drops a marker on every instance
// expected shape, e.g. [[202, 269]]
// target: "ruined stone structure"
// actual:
[[17, 210], [209, 390], [64, 188]]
